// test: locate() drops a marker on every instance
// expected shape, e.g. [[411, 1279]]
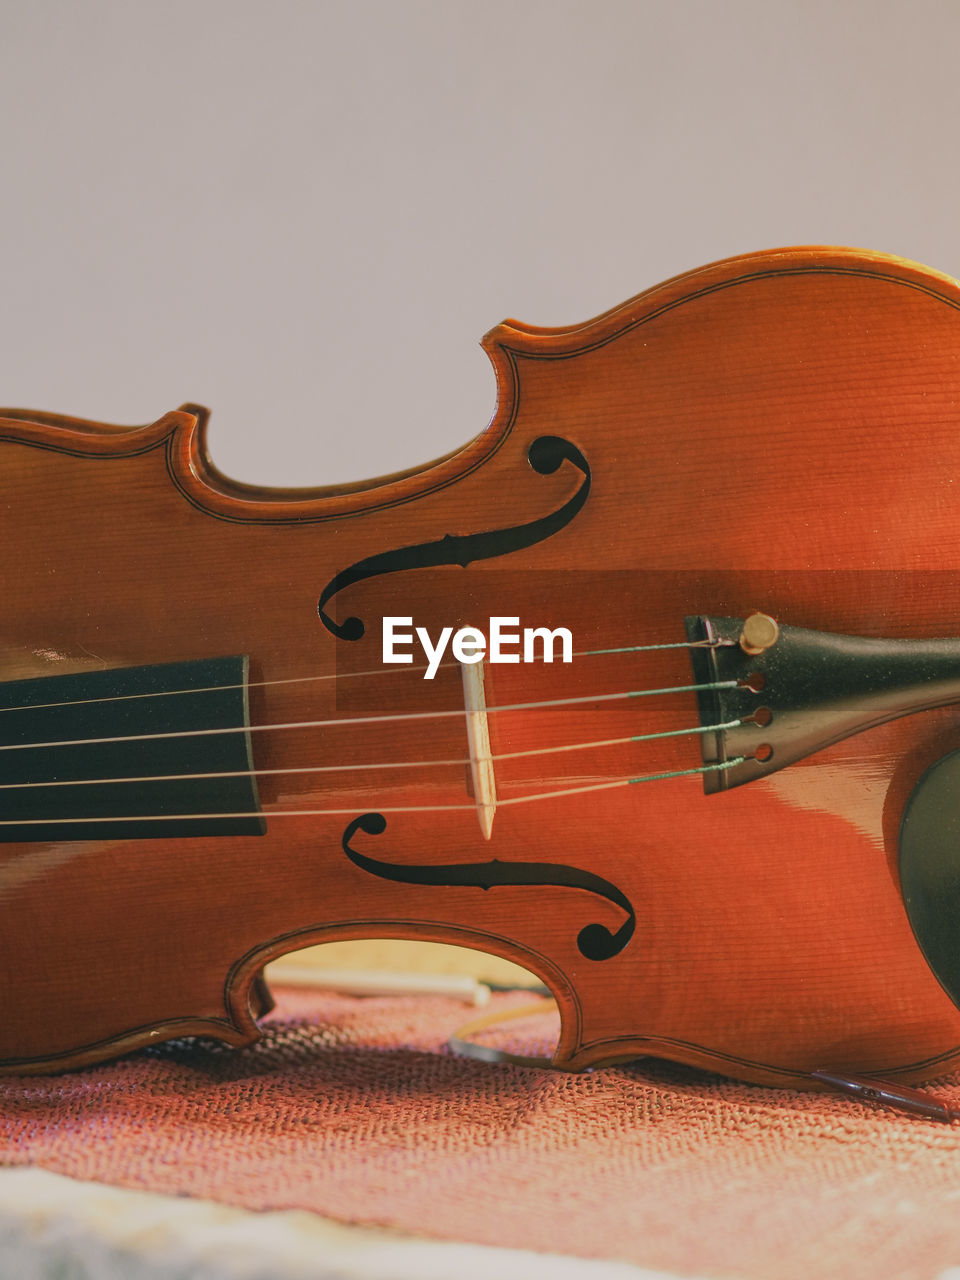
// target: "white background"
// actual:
[[305, 213]]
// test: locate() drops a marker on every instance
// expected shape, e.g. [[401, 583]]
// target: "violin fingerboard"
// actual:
[[128, 753]]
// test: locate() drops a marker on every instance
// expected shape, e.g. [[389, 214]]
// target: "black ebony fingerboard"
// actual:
[[139, 705]]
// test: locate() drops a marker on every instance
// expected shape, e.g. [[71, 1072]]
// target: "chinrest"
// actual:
[[930, 869]]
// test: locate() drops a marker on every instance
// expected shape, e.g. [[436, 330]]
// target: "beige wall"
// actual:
[[294, 209]]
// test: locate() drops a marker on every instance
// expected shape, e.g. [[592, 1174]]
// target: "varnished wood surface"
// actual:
[[776, 432]]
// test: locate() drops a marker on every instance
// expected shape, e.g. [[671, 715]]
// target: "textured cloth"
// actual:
[[353, 1109]]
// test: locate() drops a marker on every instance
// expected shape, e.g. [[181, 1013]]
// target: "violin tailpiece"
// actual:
[[806, 690]]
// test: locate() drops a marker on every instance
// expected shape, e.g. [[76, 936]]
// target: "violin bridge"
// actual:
[[478, 737]]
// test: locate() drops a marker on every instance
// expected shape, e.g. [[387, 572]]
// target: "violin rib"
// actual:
[[772, 434]]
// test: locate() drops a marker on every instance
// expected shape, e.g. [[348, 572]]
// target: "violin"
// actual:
[[651, 688]]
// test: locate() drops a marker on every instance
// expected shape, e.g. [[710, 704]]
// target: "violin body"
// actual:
[[776, 432]]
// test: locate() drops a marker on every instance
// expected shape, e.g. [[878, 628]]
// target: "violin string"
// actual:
[[717, 643], [719, 767], [388, 764], [414, 808], [612, 742], [400, 669], [378, 719], [221, 688]]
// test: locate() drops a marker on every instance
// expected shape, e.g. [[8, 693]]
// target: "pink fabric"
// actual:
[[354, 1109]]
